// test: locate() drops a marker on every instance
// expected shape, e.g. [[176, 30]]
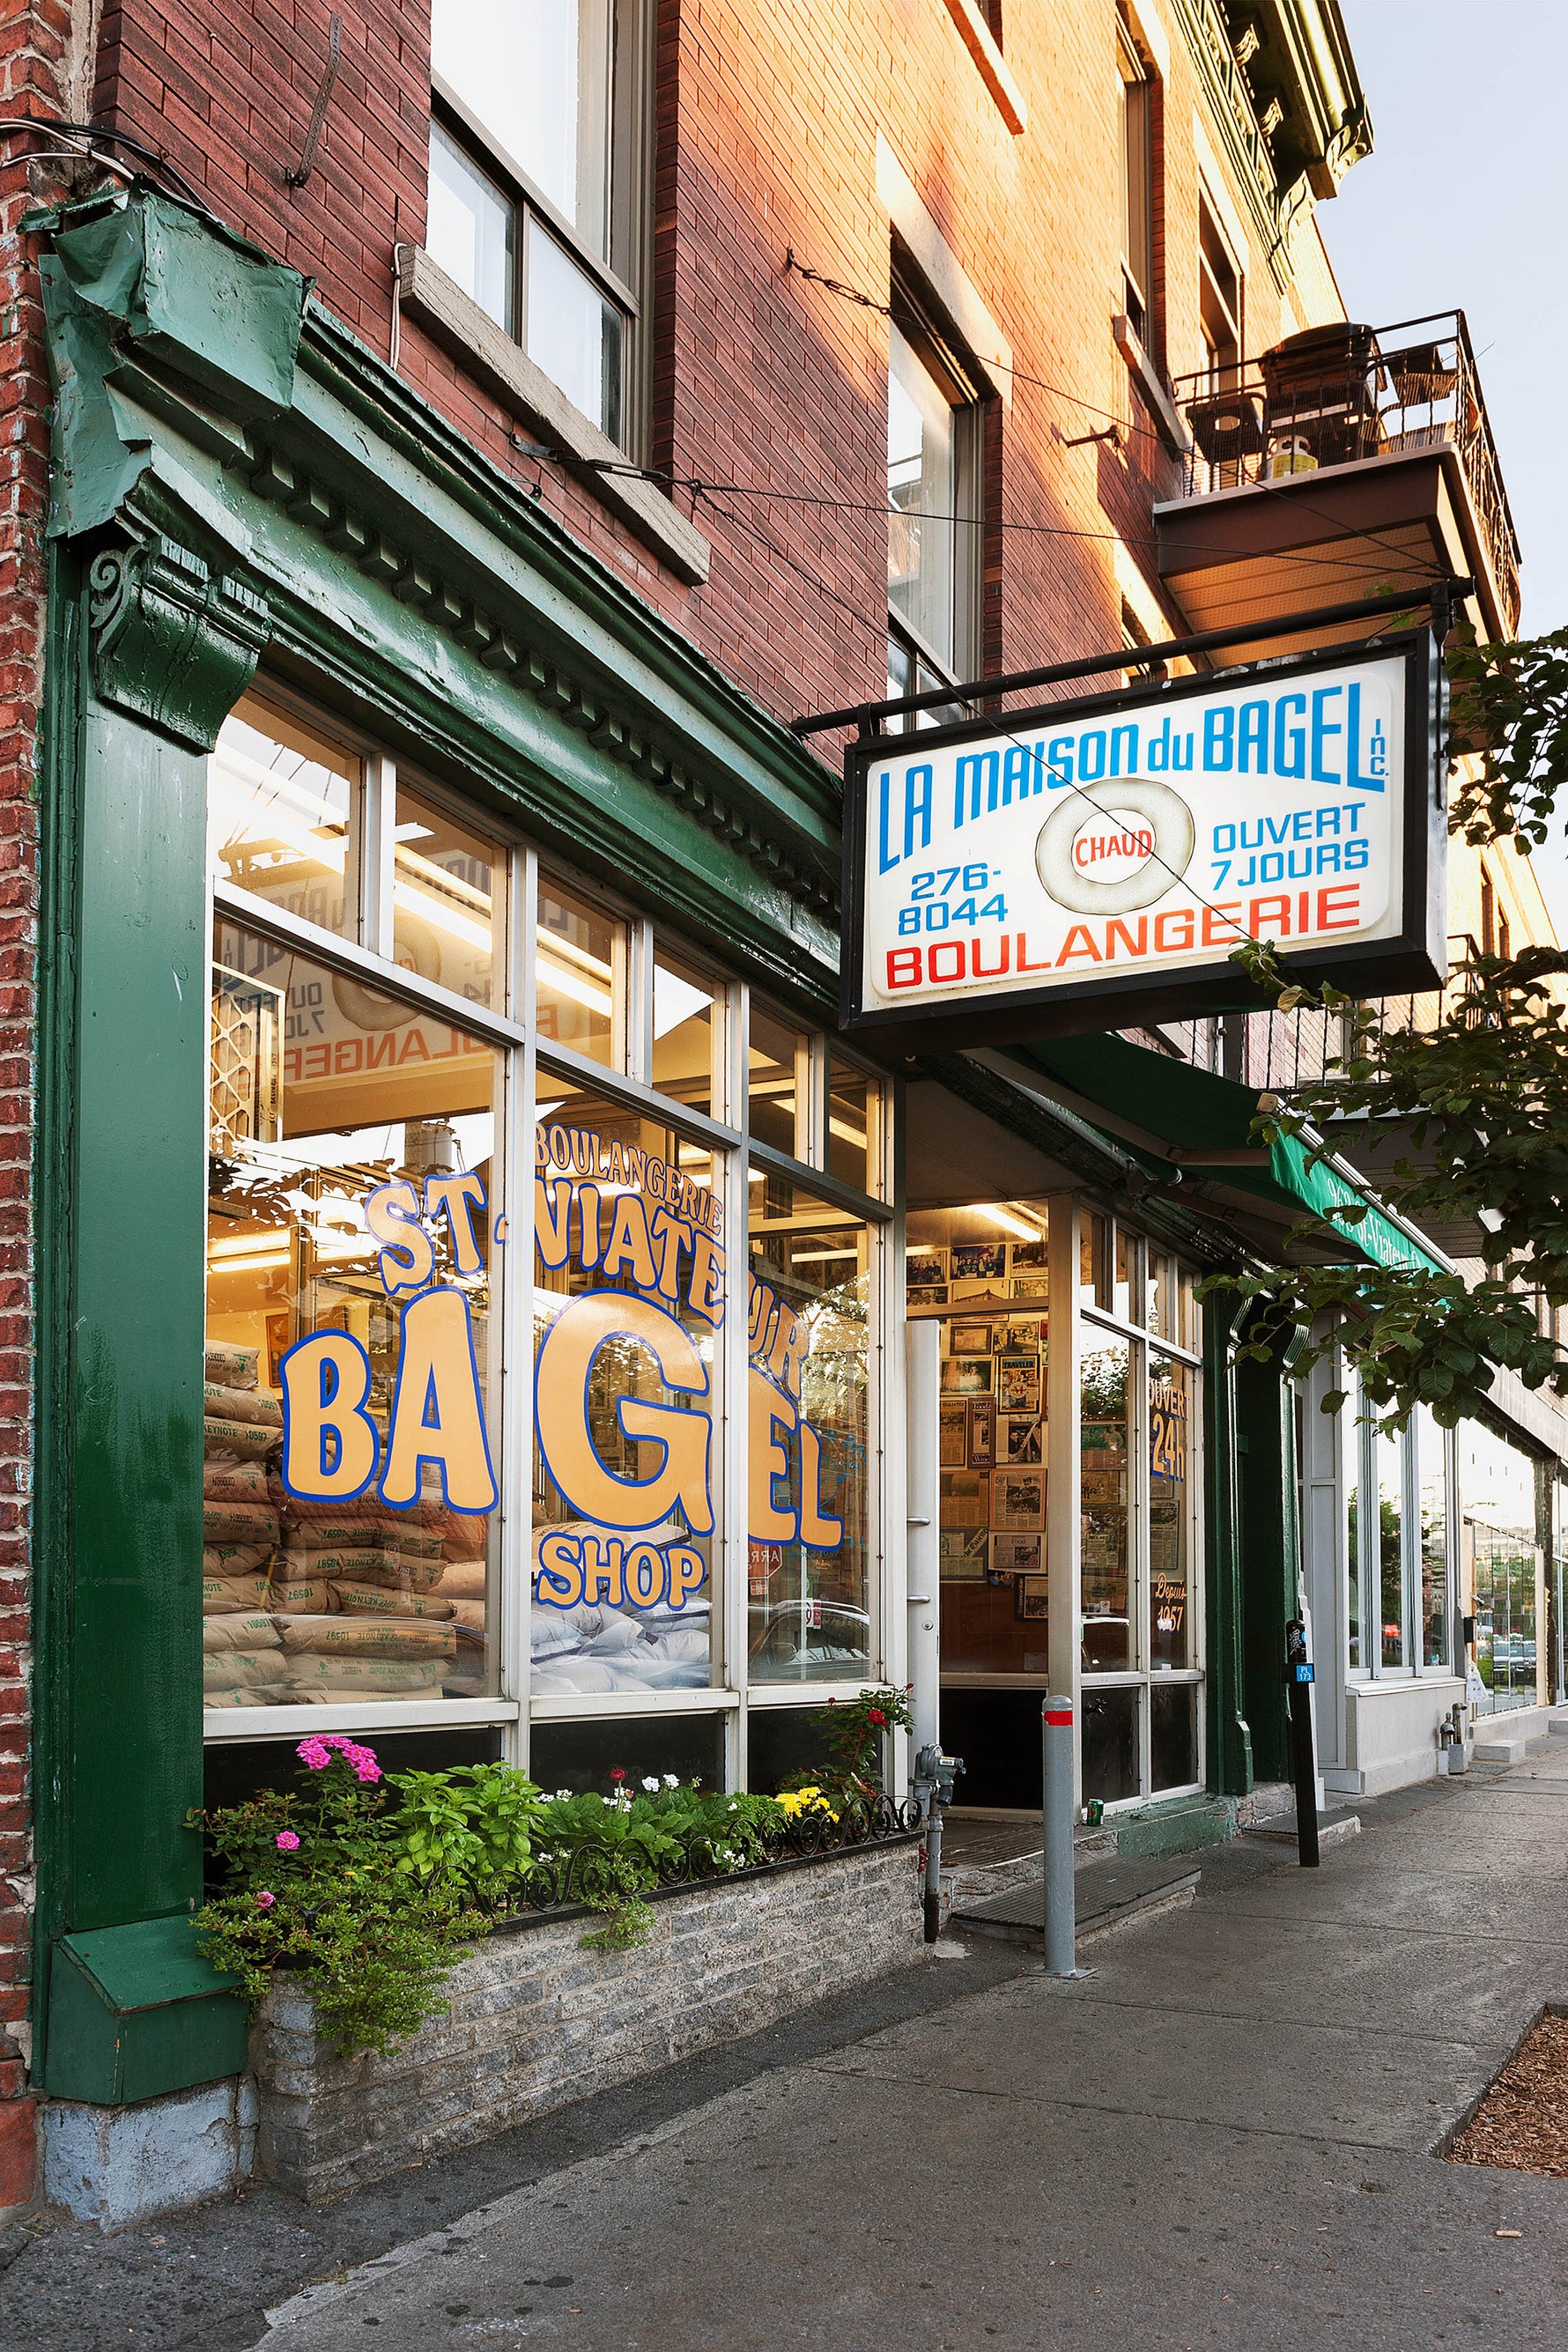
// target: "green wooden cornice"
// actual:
[[281, 490], [1287, 102]]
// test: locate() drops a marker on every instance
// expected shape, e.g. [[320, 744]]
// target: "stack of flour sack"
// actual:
[[325, 1603]]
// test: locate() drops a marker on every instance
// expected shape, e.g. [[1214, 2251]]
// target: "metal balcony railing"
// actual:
[[1342, 394]]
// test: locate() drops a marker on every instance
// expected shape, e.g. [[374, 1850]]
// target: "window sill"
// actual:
[[1146, 377], [455, 320], [981, 42]]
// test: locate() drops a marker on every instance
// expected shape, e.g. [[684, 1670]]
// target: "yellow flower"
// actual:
[[797, 1802]]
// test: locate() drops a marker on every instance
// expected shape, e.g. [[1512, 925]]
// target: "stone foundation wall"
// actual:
[[536, 2021]]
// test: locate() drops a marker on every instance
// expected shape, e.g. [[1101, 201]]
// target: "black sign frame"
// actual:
[[1413, 960]]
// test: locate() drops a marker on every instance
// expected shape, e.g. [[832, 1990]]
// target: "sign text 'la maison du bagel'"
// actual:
[[1093, 864]]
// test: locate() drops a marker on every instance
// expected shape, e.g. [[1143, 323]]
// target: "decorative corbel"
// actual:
[[171, 643]]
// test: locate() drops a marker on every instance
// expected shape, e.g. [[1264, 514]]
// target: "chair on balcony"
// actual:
[[1320, 401], [1227, 427]]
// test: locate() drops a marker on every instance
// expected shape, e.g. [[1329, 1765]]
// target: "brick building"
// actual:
[[489, 430]]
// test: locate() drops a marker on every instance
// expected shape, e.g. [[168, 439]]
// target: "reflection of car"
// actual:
[[1107, 1639], [827, 1634], [1513, 1650]]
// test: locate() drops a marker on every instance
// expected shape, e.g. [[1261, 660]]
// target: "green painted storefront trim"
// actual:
[[137, 2013], [271, 493]]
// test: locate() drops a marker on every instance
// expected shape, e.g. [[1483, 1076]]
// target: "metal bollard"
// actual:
[[1057, 1826]]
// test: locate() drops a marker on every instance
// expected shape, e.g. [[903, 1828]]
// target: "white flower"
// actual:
[[670, 1781], [652, 1784], [562, 1792]]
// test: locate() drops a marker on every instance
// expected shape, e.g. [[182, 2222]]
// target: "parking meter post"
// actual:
[[1299, 1681], [1056, 1829], [935, 1775]]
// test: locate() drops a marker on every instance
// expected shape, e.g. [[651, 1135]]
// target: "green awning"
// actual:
[[1196, 1112]]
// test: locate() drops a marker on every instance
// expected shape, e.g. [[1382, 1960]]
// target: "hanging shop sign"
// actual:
[[1097, 863]]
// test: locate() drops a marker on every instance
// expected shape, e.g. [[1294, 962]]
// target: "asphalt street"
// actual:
[[1228, 2134]]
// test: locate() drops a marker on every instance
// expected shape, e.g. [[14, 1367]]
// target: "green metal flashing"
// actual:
[[378, 554], [137, 2012], [1196, 1111]]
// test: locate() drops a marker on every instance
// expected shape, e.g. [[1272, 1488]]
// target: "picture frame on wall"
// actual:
[[953, 1433], [959, 1560], [1018, 1502], [977, 1292], [1031, 1599], [981, 1412], [924, 1268], [1026, 1257], [967, 1375], [979, 1260], [1030, 1286], [963, 1499], [1018, 1383], [1016, 1555], [927, 1294], [1020, 1440], [1019, 1339], [971, 1340]]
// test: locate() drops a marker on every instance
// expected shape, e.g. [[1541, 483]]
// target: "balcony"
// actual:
[[1345, 461]]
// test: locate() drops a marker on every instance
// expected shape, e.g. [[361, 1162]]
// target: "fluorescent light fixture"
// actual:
[[249, 1264], [1008, 1221], [856, 1134], [817, 1257], [568, 983], [432, 910]]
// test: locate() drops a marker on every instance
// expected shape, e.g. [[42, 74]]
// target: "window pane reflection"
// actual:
[[578, 964], [778, 1059], [1103, 1404], [848, 1132], [685, 1031], [1111, 1765], [809, 1498], [629, 1309], [442, 903], [573, 334], [471, 230], [1388, 1455], [334, 1108], [1432, 1491], [1169, 1515], [281, 803]]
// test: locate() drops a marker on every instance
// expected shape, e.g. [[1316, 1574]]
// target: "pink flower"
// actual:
[[265, 1900], [315, 1753], [287, 1840]]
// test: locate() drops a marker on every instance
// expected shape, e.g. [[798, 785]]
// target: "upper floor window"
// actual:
[[536, 182], [1219, 299], [933, 508], [1136, 163]]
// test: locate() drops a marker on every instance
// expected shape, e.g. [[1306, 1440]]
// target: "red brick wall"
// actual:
[[767, 137], [33, 81]]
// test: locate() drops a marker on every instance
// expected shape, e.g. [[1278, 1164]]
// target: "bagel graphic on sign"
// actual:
[[1113, 859]]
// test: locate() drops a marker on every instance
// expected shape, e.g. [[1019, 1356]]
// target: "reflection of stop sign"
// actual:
[[1113, 847]]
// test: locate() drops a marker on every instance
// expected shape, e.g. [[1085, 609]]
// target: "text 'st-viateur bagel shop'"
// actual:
[[1102, 860]]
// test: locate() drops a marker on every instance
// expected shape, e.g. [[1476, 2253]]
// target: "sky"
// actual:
[[1460, 206]]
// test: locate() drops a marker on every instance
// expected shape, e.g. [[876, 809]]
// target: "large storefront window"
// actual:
[[351, 1156], [650, 1479], [1397, 1488], [1504, 1565], [630, 1300], [808, 1494], [983, 1273]]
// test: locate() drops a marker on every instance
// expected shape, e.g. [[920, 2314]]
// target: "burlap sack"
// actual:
[[469, 1613], [236, 1560], [241, 1404], [229, 1596], [308, 1596], [250, 1630], [360, 1677], [234, 1482], [363, 1637], [387, 1568], [244, 1523], [232, 1368], [240, 1670], [464, 1580], [246, 1441], [379, 1601]]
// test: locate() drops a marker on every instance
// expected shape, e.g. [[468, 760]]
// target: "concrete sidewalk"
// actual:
[[1222, 2138]]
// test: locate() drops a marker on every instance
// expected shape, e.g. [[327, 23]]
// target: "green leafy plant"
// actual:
[[474, 1825], [314, 1885], [852, 1731]]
